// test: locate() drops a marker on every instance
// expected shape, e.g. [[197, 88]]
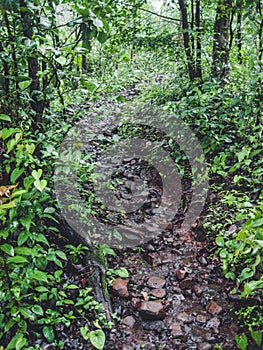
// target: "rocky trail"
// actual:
[[176, 296]]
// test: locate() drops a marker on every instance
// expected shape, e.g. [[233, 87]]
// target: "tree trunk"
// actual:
[[33, 66], [220, 65], [239, 31], [198, 41], [188, 52]]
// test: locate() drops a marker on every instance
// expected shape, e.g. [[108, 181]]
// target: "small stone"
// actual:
[[202, 261], [152, 310], [213, 308], [214, 323], [201, 318], [204, 346], [176, 329], [156, 282], [184, 317], [135, 302], [129, 321], [126, 347], [157, 326], [158, 293], [198, 290], [180, 274], [120, 287]]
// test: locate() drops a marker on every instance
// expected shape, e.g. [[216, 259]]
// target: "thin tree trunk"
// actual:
[[239, 31], [6, 74], [33, 66], [198, 41], [220, 65], [188, 52]]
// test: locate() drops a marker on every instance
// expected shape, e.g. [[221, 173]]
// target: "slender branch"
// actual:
[[161, 16]]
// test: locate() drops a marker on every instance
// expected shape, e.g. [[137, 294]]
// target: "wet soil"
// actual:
[[178, 271]]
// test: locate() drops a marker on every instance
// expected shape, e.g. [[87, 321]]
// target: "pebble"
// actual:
[[129, 321], [184, 317], [180, 274], [198, 290], [157, 326], [214, 323], [213, 308], [158, 293], [201, 318], [152, 310], [120, 287], [204, 346], [156, 282], [176, 329]]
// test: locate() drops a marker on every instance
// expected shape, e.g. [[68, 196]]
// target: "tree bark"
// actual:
[[188, 52], [33, 66], [220, 65], [198, 41]]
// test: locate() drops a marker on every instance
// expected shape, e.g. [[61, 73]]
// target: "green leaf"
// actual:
[[5, 117], [25, 84], [102, 37], [22, 238], [241, 341], [40, 184], [48, 333], [220, 241], [42, 289], [17, 342], [122, 272], [85, 332], [16, 260], [30, 148], [257, 222], [16, 173], [37, 174], [256, 335], [72, 286], [97, 339], [61, 254], [37, 309], [8, 249], [40, 276]]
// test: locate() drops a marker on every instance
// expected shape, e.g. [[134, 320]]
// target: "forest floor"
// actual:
[[176, 296]]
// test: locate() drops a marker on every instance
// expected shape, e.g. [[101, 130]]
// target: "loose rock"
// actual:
[[213, 308], [156, 282], [176, 329], [152, 310], [120, 287], [158, 293]]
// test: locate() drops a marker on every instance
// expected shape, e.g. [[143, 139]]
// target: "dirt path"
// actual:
[[176, 296]]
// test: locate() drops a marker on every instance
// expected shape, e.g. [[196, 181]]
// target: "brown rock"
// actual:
[[204, 346], [176, 329], [213, 308], [152, 310], [184, 317], [158, 293], [198, 290], [135, 302], [214, 323], [201, 318], [156, 282], [180, 274], [120, 287], [129, 321]]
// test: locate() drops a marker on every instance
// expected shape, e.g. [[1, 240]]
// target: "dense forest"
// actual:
[[131, 174]]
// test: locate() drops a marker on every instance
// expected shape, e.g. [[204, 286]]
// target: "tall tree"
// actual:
[[220, 65], [192, 46]]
